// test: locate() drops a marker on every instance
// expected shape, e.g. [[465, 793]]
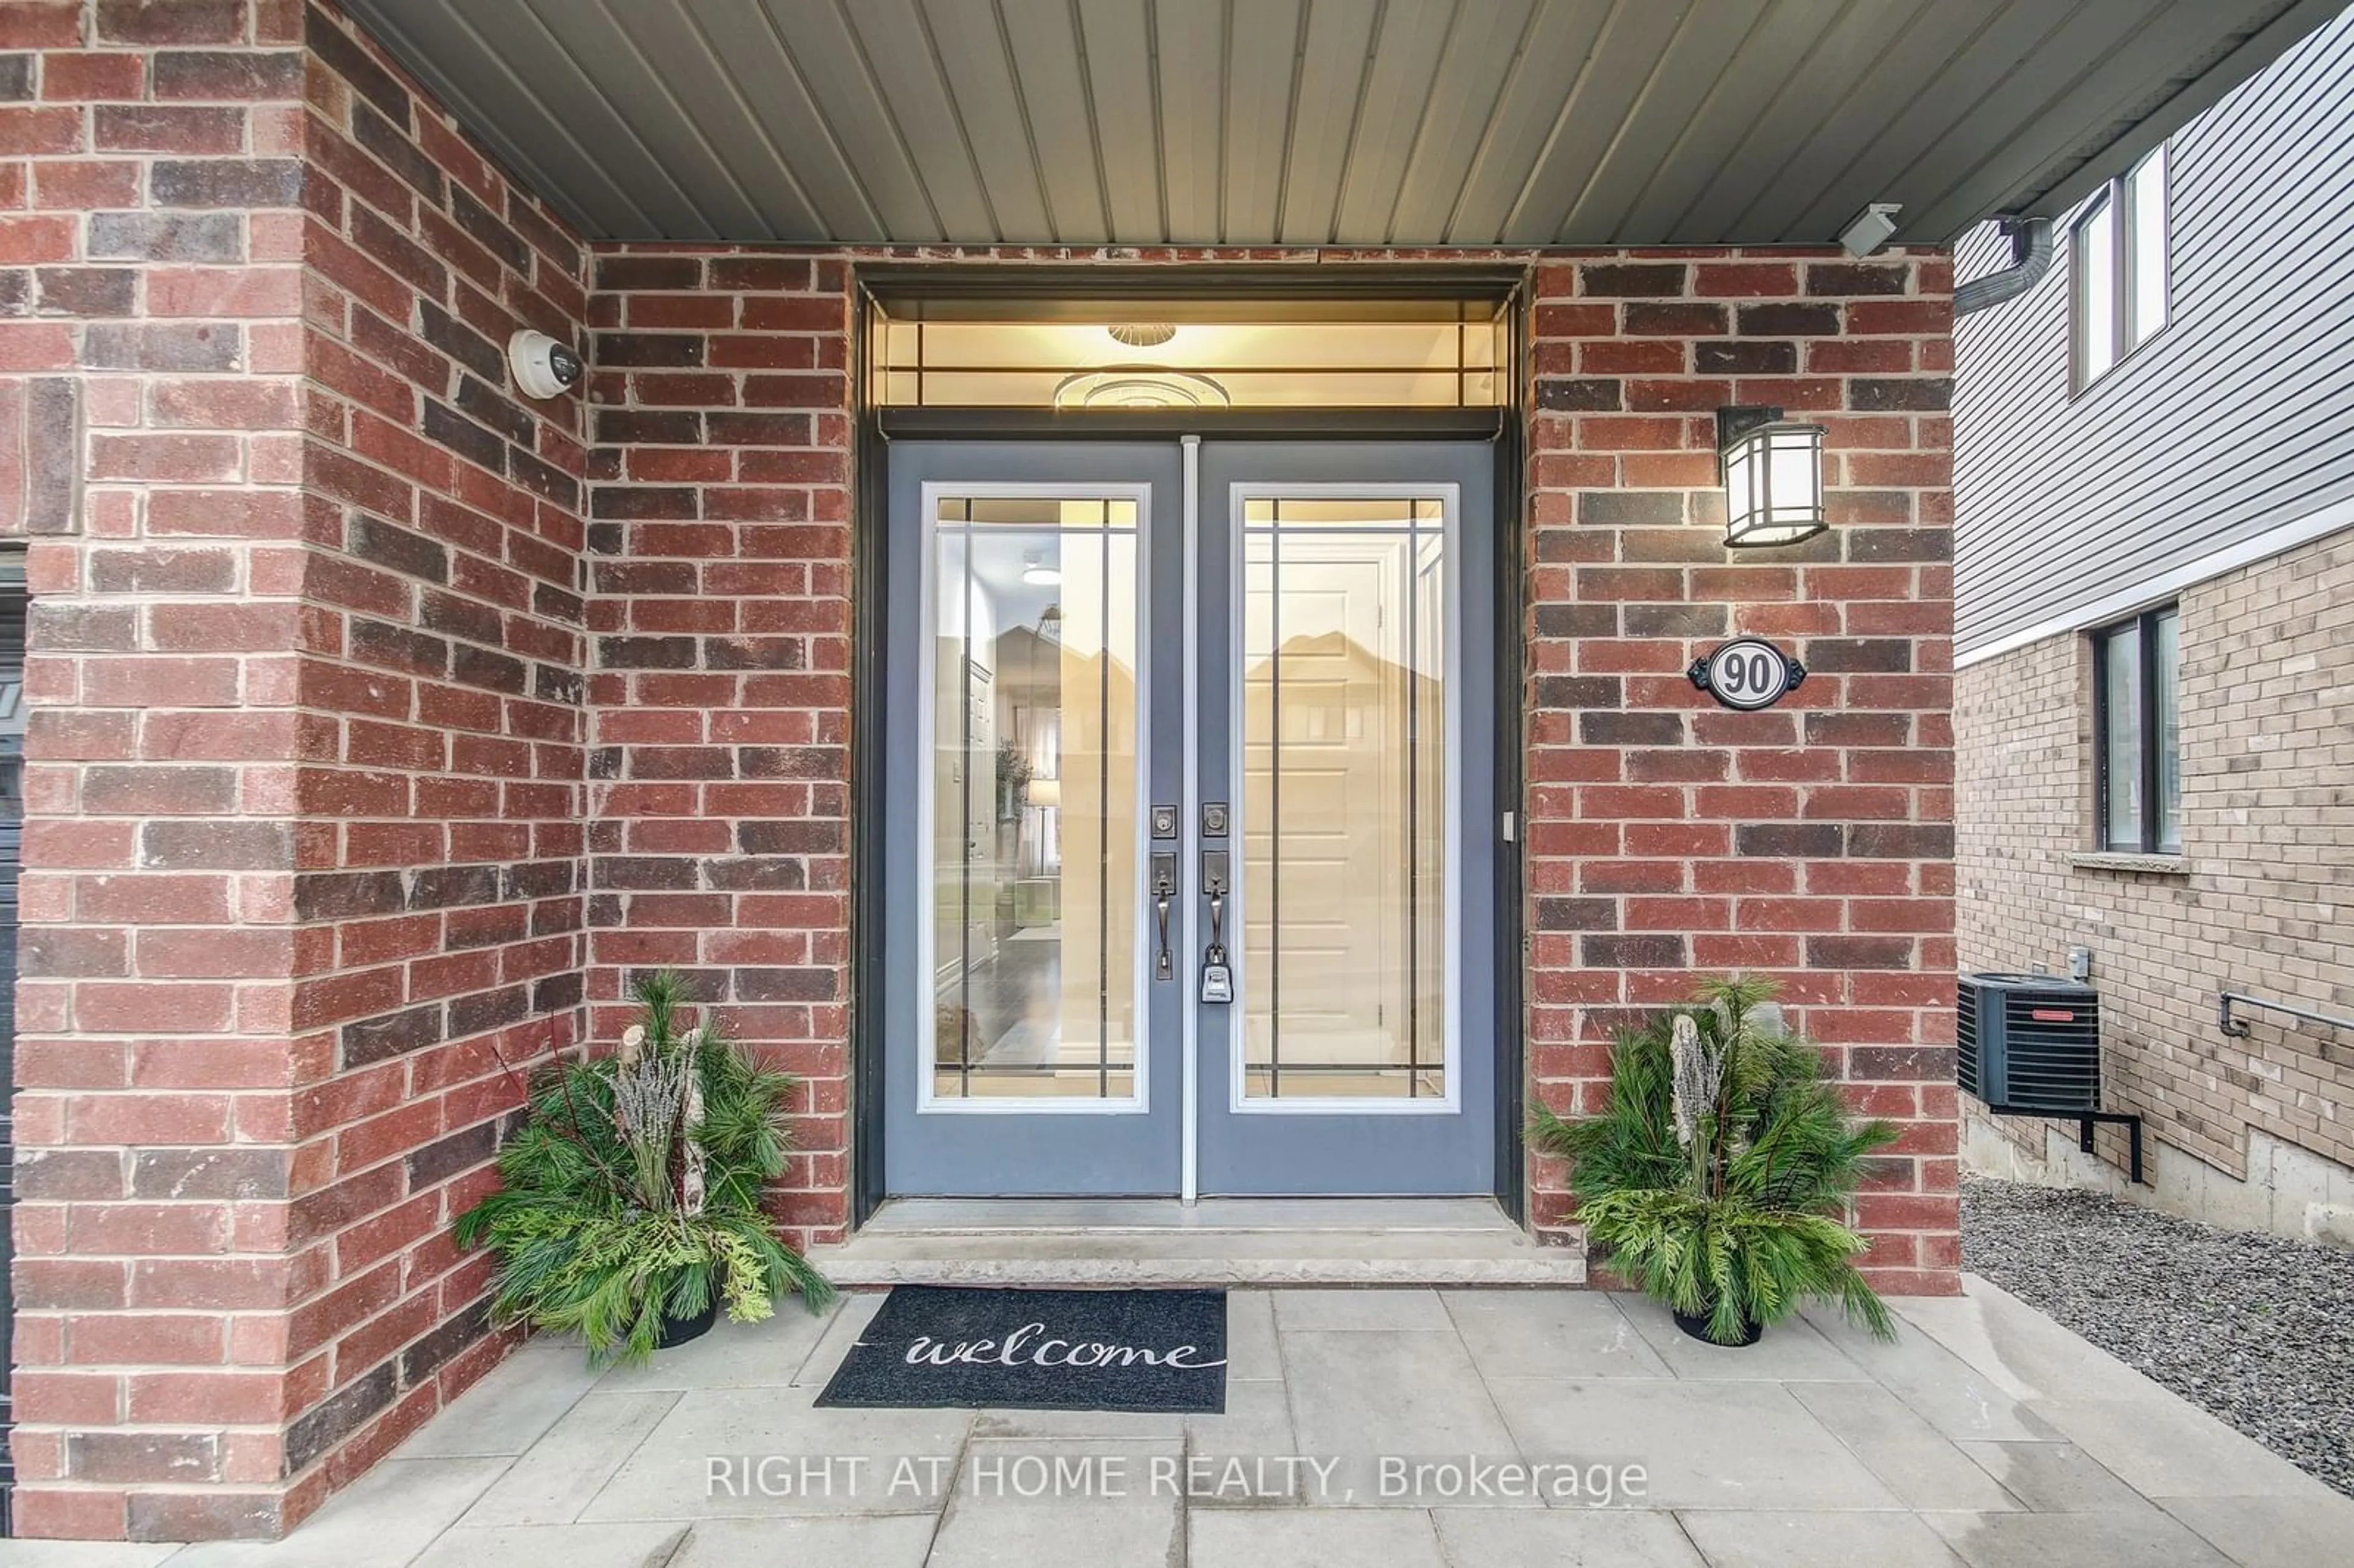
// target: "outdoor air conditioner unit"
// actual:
[[2029, 1044]]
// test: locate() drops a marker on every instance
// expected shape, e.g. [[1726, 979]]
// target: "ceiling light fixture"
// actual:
[[1141, 334], [1038, 573]]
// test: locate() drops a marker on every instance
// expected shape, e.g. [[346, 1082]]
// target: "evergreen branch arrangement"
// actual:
[[631, 1196], [1719, 1172]]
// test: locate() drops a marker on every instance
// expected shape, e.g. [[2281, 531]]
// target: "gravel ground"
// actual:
[[2256, 1330]]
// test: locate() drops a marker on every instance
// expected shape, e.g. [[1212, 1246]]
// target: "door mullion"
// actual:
[[1190, 796]]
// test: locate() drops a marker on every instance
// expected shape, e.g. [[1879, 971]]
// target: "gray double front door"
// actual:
[[1189, 819]]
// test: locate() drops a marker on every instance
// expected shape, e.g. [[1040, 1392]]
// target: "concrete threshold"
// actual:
[[1239, 1242]]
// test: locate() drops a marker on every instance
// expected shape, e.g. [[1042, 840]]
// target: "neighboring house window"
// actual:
[[2137, 729], [2119, 246]]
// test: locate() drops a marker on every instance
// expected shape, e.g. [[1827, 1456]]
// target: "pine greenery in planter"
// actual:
[[630, 1195], [1718, 1175]]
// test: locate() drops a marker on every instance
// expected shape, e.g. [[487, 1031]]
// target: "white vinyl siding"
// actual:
[[2229, 424]]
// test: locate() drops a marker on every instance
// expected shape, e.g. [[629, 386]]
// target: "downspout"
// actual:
[[2030, 258]]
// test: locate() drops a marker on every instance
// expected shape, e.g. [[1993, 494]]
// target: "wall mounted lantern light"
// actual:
[[1773, 473]]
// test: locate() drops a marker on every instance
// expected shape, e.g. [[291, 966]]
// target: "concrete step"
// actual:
[[1267, 1242]]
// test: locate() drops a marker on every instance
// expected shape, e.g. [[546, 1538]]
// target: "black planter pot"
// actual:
[[676, 1332], [1697, 1327]]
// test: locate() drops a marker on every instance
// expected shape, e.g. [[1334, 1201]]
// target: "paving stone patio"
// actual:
[[1987, 1435]]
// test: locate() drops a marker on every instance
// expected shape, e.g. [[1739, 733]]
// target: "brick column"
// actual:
[[304, 795], [719, 544], [154, 1012], [1811, 843]]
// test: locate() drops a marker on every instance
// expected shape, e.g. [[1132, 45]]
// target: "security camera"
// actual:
[[1870, 229], [543, 366]]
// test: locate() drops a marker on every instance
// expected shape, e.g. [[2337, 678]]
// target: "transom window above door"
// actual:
[[1188, 354]]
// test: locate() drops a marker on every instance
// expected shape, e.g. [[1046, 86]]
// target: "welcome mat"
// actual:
[[1040, 1350]]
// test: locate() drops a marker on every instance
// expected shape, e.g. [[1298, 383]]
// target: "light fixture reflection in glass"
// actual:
[[1038, 572], [1139, 387]]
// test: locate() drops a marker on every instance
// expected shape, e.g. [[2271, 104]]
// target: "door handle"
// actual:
[[1214, 886], [1164, 888], [1217, 974]]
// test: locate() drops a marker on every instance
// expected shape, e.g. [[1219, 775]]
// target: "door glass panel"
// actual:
[[1036, 745], [1345, 606]]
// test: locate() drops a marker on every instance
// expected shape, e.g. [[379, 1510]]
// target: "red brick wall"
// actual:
[[1666, 836], [40, 437], [154, 1012], [1811, 843], [304, 799], [719, 684], [442, 834]]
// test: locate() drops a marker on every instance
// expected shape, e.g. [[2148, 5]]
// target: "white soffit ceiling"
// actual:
[[1407, 122]]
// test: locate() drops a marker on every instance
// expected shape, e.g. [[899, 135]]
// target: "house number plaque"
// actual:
[[1747, 673]]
